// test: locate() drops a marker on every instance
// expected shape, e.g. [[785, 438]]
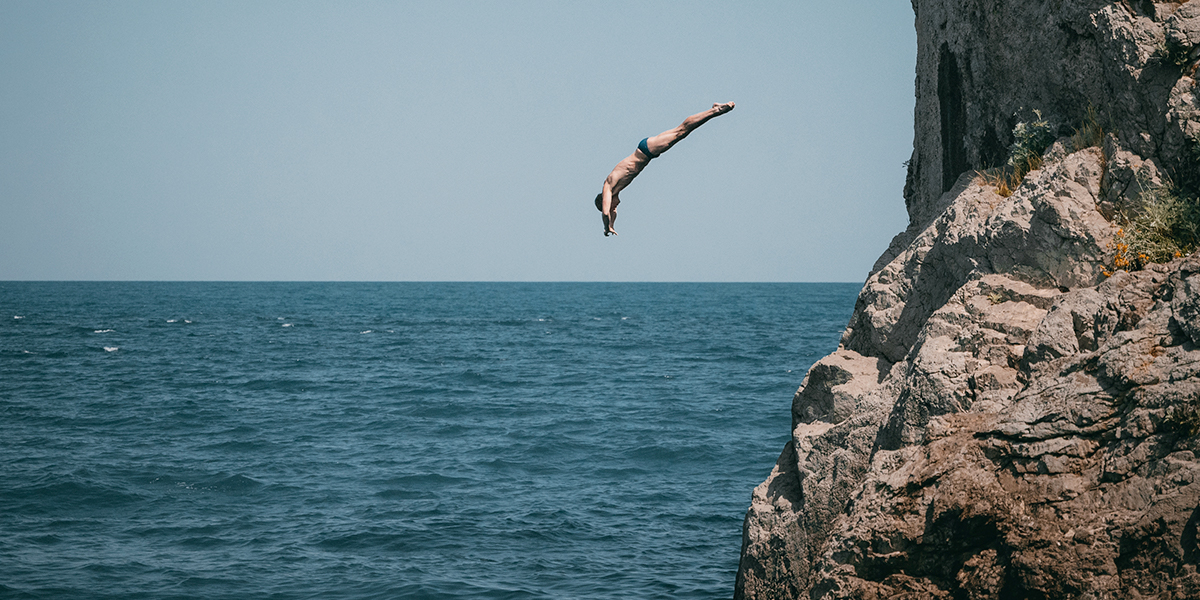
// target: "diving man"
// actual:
[[649, 148]]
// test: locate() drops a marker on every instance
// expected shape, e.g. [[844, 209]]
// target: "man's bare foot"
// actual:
[[722, 108]]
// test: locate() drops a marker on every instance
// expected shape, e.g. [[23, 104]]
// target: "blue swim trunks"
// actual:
[[645, 148]]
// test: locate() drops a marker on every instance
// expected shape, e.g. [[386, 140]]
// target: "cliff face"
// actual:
[[983, 65], [1001, 419]]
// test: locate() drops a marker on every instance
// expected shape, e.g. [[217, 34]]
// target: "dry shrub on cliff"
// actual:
[[1165, 223], [1003, 179], [1166, 226]]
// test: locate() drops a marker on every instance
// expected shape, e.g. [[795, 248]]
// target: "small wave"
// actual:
[[232, 483], [220, 482], [402, 540], [394, 494], [656, 453], [367, 331], [171, 320], [111, 348], [620, 473], [278, 385], [200, 543], [104, 331], [425, 482], [57, 492], [238, 446], [287, 325]]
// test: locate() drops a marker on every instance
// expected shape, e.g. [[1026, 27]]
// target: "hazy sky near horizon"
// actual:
[[450, 140]]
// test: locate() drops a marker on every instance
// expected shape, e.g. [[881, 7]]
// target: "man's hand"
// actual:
[[608, 230]]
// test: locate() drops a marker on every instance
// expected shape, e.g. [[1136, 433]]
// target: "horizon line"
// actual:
[[2, 281]]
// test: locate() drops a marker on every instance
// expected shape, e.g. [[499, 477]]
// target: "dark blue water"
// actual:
[[399, 440]]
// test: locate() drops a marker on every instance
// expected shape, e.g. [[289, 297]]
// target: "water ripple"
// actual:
[[392, 440]]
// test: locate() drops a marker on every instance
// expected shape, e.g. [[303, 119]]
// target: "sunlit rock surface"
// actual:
[[1003, 420]]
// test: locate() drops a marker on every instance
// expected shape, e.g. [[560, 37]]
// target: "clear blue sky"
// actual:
[[449, 140]]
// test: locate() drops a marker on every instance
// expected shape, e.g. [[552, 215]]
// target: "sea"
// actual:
[[393, 440]]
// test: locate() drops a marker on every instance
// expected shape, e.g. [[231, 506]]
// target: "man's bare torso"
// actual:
[[626, 170]]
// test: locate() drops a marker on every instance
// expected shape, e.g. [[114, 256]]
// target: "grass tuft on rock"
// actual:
[[1030, 140], [1089, 134], [1165, 226]]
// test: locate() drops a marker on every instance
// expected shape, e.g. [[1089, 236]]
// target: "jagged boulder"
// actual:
[[1034, 443], [836, 415], [1047, 233], [1086, 483]]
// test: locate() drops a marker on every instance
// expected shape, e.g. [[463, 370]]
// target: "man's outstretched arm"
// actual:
[[607, 212]]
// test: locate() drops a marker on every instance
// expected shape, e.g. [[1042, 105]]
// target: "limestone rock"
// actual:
[[983, 65], [1048, 233], [1126, 177], [1083, 486], [836, 413], [1001, 419], [1034, 443], [1183, 27]]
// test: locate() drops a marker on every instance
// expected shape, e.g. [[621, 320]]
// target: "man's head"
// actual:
[[600, 202]]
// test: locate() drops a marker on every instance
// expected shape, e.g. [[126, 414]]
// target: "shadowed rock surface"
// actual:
[[1002, 420]]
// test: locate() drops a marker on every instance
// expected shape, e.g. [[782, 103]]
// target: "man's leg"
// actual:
[[663, 141]]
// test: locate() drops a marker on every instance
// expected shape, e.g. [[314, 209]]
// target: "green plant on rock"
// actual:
[[1183, 420], [1173, 52], [1030, 140]]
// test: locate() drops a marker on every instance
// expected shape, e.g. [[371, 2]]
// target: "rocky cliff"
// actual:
[[1003, 419]]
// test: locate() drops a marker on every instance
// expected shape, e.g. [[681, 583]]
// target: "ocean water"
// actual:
[[392, 440]]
